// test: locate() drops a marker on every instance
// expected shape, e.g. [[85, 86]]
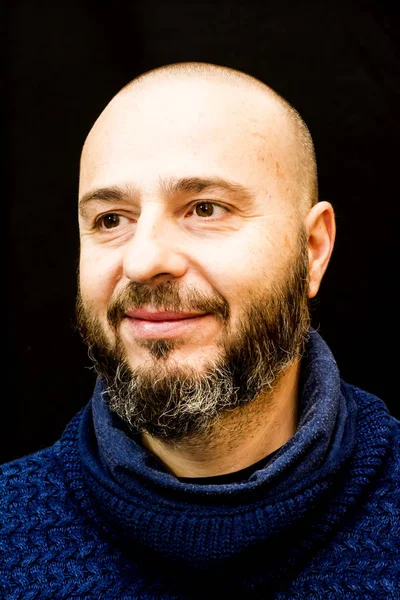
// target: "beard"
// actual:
[[173, 402]]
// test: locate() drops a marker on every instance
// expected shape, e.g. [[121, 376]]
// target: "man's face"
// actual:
[[193, 214]]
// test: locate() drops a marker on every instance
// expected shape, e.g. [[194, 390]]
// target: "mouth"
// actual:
[[162, 324]]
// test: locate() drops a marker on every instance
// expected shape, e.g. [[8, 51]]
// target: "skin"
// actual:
[[164, 130]]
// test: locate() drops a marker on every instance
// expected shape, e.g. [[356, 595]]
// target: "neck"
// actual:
[[238, 439]]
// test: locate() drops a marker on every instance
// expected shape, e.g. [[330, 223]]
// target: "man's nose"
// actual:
[[153, 255]]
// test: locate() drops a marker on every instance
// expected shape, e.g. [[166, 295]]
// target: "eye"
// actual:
[[110, 221], [204, 209], [208, 210]]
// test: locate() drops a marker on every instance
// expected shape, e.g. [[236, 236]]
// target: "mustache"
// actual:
[[166, 296]]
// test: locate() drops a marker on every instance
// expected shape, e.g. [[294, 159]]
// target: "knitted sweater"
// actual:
[[96, 516]]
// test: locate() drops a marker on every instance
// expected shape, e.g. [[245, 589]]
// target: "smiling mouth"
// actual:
[[145, 324], [165, 315]]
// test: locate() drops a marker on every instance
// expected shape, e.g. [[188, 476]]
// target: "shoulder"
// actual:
[[361, 558], [35, 490], [43, 522], [29, 484], [376, 410], [38, 486], [28, 469], [381, 424], [39, 479], [380, 442]]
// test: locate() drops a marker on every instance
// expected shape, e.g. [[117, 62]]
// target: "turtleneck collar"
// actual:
[[200, 525], [324, 436]]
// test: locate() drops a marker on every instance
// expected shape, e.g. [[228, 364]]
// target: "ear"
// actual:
[[321, 231]]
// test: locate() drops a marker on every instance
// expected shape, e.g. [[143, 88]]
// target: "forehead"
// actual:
[[183, 129]]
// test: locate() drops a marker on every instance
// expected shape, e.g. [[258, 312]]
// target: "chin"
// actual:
[[161, 355]]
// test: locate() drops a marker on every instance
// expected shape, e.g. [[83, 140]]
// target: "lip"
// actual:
[[162, 325], [147, 315]]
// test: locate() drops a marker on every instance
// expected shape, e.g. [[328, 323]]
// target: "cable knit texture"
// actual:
[[96, 516]]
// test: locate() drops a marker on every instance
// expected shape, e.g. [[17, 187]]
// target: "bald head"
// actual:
[[210, 98]]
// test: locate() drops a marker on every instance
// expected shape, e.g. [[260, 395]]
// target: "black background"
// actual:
[[338, 64]]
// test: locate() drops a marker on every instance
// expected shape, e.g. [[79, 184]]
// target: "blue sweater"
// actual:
[[98, 517]]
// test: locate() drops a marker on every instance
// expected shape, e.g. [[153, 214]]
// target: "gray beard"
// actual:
[[173, 402]]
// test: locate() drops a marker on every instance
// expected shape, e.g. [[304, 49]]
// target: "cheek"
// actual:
[[238, 271], [98, 276], [250, 266]]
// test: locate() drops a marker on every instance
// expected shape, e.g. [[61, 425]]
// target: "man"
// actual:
[[221, 455]]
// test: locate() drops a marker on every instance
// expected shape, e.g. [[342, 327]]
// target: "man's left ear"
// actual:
[[321, 231]]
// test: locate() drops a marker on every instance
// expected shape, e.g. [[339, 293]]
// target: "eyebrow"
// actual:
[[170, 187]]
